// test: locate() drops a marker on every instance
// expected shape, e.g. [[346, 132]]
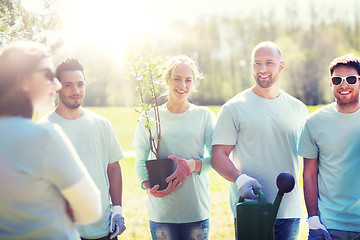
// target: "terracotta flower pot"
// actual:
[[159, 170]]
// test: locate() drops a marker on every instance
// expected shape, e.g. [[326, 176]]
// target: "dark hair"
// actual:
[[69, 64], [346, 60], [17, 61]]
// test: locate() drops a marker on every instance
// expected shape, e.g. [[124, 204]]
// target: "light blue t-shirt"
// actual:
[[37, 161], [334, 138], [186, 135], [265, 133], [97, 145]]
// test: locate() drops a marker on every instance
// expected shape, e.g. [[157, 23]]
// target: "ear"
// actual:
[[282, 65]]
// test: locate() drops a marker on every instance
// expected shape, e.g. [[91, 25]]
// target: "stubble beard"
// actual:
[[70, 105], [264, 84], [353, 101]]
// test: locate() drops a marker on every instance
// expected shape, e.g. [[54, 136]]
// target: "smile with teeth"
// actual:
[[343, 92], [263, 77], [181, 91]]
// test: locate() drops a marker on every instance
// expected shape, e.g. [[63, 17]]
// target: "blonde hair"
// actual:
[[175, 61]]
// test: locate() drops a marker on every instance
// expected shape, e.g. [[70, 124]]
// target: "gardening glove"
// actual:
[[246, 185], [117, 224], [172, 186], [316, 225], [183, 169]]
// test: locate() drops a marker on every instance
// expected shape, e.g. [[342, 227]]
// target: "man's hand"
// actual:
[[246, 185], [317, 228], [117, 224]]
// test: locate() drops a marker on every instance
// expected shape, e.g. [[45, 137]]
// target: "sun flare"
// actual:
[[109, 22]]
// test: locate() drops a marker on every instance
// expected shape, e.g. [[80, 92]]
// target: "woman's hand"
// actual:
[[172, 186], [183, 170]]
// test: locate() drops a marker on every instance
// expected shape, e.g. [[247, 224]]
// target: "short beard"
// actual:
[[352, 102], [68, 105], [72, 106], [265, 84]]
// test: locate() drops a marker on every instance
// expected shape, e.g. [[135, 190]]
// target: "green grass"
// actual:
[[124, 121]]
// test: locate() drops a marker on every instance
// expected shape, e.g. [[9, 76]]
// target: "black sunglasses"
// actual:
[[349, 80], [49, 74]]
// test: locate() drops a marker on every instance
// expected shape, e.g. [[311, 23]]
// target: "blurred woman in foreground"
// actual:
[[44, 186]]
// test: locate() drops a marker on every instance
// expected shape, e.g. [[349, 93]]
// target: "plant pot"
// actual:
[[159, 170]]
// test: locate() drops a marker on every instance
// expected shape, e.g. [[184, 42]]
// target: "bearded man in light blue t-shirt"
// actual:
[[260, 128], [95, 141], [330, 144]]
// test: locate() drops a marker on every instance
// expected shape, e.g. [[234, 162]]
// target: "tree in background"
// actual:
[[16, 23], [221, 44]]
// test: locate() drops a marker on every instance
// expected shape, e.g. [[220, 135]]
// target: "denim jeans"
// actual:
[[102, 238], [344, 235], [285, 229], [318, 234], [180, 231]]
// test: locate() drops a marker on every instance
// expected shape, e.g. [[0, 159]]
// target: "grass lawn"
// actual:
[[221, 220]]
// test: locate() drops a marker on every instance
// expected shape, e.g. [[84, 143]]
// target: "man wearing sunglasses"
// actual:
[[330, 146]]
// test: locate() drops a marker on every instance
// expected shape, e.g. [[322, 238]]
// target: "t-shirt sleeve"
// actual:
[[62, 164], [225, 132], [307, 146], [209, 130], [141, 137], [115, 152], [140, 167]]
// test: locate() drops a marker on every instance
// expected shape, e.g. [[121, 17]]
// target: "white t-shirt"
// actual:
[[37, 162], [265, 133], [334, 138], [186, 135], [96, 143]]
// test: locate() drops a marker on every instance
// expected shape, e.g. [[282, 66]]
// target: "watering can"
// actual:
[[255, 219]]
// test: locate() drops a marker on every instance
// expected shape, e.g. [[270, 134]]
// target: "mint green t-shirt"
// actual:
[[96, 143], [265, 133], [334, 138], [37, 161], [187, 135]]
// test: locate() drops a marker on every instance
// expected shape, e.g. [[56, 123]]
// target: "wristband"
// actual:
[[192, 164], [242, 179], [117, 209]]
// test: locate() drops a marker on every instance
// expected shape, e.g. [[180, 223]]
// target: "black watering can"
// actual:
[[255, 219]]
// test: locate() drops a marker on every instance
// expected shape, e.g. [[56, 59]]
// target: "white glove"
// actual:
[[316, 226], [314, 223], [246, 185], [117, 224]]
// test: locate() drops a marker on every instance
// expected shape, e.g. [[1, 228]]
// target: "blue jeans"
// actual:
[[318, 234], [180, 231], [285, 229]]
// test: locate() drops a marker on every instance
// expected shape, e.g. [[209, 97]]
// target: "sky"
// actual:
[[113, 22]]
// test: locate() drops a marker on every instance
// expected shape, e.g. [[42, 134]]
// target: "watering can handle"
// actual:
[[257, 192]]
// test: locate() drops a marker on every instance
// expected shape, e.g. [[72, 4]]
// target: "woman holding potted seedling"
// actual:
[[181, 210]]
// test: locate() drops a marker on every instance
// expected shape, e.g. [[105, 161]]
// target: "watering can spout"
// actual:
[[285, 183], [255, 220]]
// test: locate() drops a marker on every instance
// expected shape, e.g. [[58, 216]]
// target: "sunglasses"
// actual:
[[49, 74], [351, 80]]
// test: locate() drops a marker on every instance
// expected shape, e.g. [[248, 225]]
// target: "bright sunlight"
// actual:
[[109, 23]]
